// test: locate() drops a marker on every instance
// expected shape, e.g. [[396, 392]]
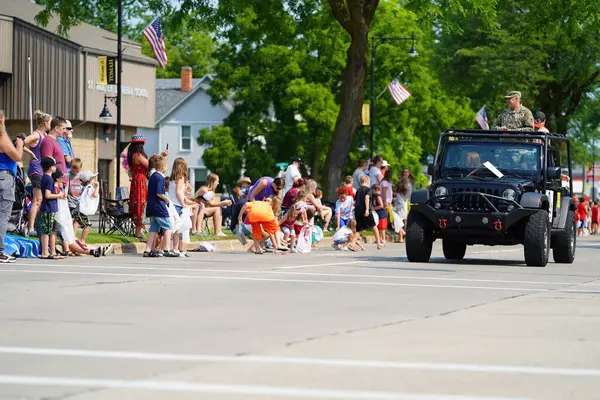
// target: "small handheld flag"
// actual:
[[481, 118], [153, 33]]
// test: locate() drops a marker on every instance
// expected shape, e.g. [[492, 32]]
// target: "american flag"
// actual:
[[399, 93], [481, 118], [153, 33]]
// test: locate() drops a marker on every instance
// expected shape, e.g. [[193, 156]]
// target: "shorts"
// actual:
[[36, 180], [270, 227], [179, 210], [46, 223], [287, 229], [81, 219], [582, 224], [383, 224], [364, 223], [344, 221], [343, 241], [158, 223]]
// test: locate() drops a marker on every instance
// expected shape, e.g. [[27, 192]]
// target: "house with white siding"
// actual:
[[183, 108]]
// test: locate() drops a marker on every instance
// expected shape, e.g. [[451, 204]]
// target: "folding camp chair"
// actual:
[[114, 214]]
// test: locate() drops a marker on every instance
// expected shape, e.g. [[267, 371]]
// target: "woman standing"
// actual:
[[35, 173], [401, 203], [406, 173], [212, 208], [138, 192]]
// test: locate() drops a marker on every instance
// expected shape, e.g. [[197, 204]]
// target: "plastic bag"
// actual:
[[88, 204], [304, 239], [398, 223], [375, 217], [186, 224], [174, 216], [206, 247], [317, 234], [64, 220]]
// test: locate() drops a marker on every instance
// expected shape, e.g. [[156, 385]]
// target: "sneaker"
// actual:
[[146, 254], [183, 254], [344, 248], [335, 246], [6, 259], [97, 252], [221, 234], [171, 254], [155, 254], [108, 249], [293, 251]]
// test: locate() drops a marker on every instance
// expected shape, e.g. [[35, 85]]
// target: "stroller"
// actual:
[[17, 222]]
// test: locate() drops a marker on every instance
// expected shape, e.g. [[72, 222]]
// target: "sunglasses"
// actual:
[[70, 129]]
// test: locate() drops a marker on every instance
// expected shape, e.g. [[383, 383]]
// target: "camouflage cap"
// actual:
[[512, 94]]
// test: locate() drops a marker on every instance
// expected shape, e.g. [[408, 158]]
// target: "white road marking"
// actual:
[[318, 362], [321, 265], [255, 390], [240, 278], [271, 272]]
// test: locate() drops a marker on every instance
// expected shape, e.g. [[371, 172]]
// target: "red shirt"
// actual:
[[350, 191], [582, 210], [51, 148], [595, 213]]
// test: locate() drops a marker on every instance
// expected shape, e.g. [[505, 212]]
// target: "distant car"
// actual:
[[496, 188]]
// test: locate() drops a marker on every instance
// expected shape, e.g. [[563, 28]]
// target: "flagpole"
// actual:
[[119, 94]]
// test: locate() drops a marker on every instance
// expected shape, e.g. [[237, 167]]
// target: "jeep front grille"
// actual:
[[465, 199]]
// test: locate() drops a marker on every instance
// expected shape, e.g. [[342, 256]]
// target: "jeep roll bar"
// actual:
[[544, 136]]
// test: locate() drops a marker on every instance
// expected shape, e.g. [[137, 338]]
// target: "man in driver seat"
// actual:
[[515, 117]]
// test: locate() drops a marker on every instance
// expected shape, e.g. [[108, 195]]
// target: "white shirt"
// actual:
[[290, 173], [374, 172], [173, 194], [342, 235]]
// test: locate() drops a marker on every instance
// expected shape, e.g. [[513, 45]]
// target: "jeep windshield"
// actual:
[[513, 159]]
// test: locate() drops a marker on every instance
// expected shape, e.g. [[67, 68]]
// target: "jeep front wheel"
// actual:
[[419, 238], [454, 250], [537, 240], [563, 248]]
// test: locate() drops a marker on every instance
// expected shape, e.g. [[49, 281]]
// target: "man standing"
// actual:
[[51, 148], [65, 144], [292, 174], [10, 154], [515, 117]]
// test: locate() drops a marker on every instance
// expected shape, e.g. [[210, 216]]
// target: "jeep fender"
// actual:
[[534, 200], [566, 204], [419, 197]]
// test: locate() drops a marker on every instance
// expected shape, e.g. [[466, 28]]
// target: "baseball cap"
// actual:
[[69, 125], [512, 94], [48, 162], [295, 159], [539, 116], [384, 163], [86, 176]]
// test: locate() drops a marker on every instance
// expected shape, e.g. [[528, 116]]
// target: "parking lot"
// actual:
[[327, 325]]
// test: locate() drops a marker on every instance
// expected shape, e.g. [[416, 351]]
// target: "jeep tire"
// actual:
[[419, 238], [564, 243], [536, 242], [454, 250]]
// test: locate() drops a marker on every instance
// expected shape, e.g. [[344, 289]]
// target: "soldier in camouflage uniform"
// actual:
[[515, 117]]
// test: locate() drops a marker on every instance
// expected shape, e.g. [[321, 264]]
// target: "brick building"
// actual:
[[65, 83]]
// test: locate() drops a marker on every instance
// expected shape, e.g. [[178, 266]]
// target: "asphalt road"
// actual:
[[329, 325]]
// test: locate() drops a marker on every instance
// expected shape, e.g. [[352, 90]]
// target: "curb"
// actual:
[[222, 245]]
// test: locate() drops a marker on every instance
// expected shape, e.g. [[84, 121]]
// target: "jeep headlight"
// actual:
[[509, 194], [440, 191]]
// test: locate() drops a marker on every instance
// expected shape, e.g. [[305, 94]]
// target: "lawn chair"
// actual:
[[115, 217]]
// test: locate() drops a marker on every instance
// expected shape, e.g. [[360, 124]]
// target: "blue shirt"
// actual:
[[66, 147], [155, 206], [8, 164], [47, 204]]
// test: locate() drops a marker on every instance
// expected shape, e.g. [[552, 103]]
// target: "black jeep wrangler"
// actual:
[[496, 188]]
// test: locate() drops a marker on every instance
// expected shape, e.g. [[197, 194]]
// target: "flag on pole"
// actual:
[[481, 118], [153, 33], [398, 91]]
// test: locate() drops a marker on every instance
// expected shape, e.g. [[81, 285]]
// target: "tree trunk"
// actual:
[[353, 92]]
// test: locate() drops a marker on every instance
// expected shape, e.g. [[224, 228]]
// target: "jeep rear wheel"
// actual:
[[536, 243], [454, 250], [563, 248], [419, 238]]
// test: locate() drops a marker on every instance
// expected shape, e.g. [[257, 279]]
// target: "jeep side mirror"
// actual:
[[553, 173], [430, 169]]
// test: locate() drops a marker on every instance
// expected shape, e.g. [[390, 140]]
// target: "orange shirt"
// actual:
[[260, 211]]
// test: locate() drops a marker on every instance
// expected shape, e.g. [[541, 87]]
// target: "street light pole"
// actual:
[[375, 41], [119, 76]]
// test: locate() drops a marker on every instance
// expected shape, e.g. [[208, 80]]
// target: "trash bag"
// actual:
[[88, 204], [64, 220], [304, 239]]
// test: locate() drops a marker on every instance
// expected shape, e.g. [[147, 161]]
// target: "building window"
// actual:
[[185, 143], [200, 177]]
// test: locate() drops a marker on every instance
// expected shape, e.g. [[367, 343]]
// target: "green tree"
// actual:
[[548, 50], [221, 155]]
